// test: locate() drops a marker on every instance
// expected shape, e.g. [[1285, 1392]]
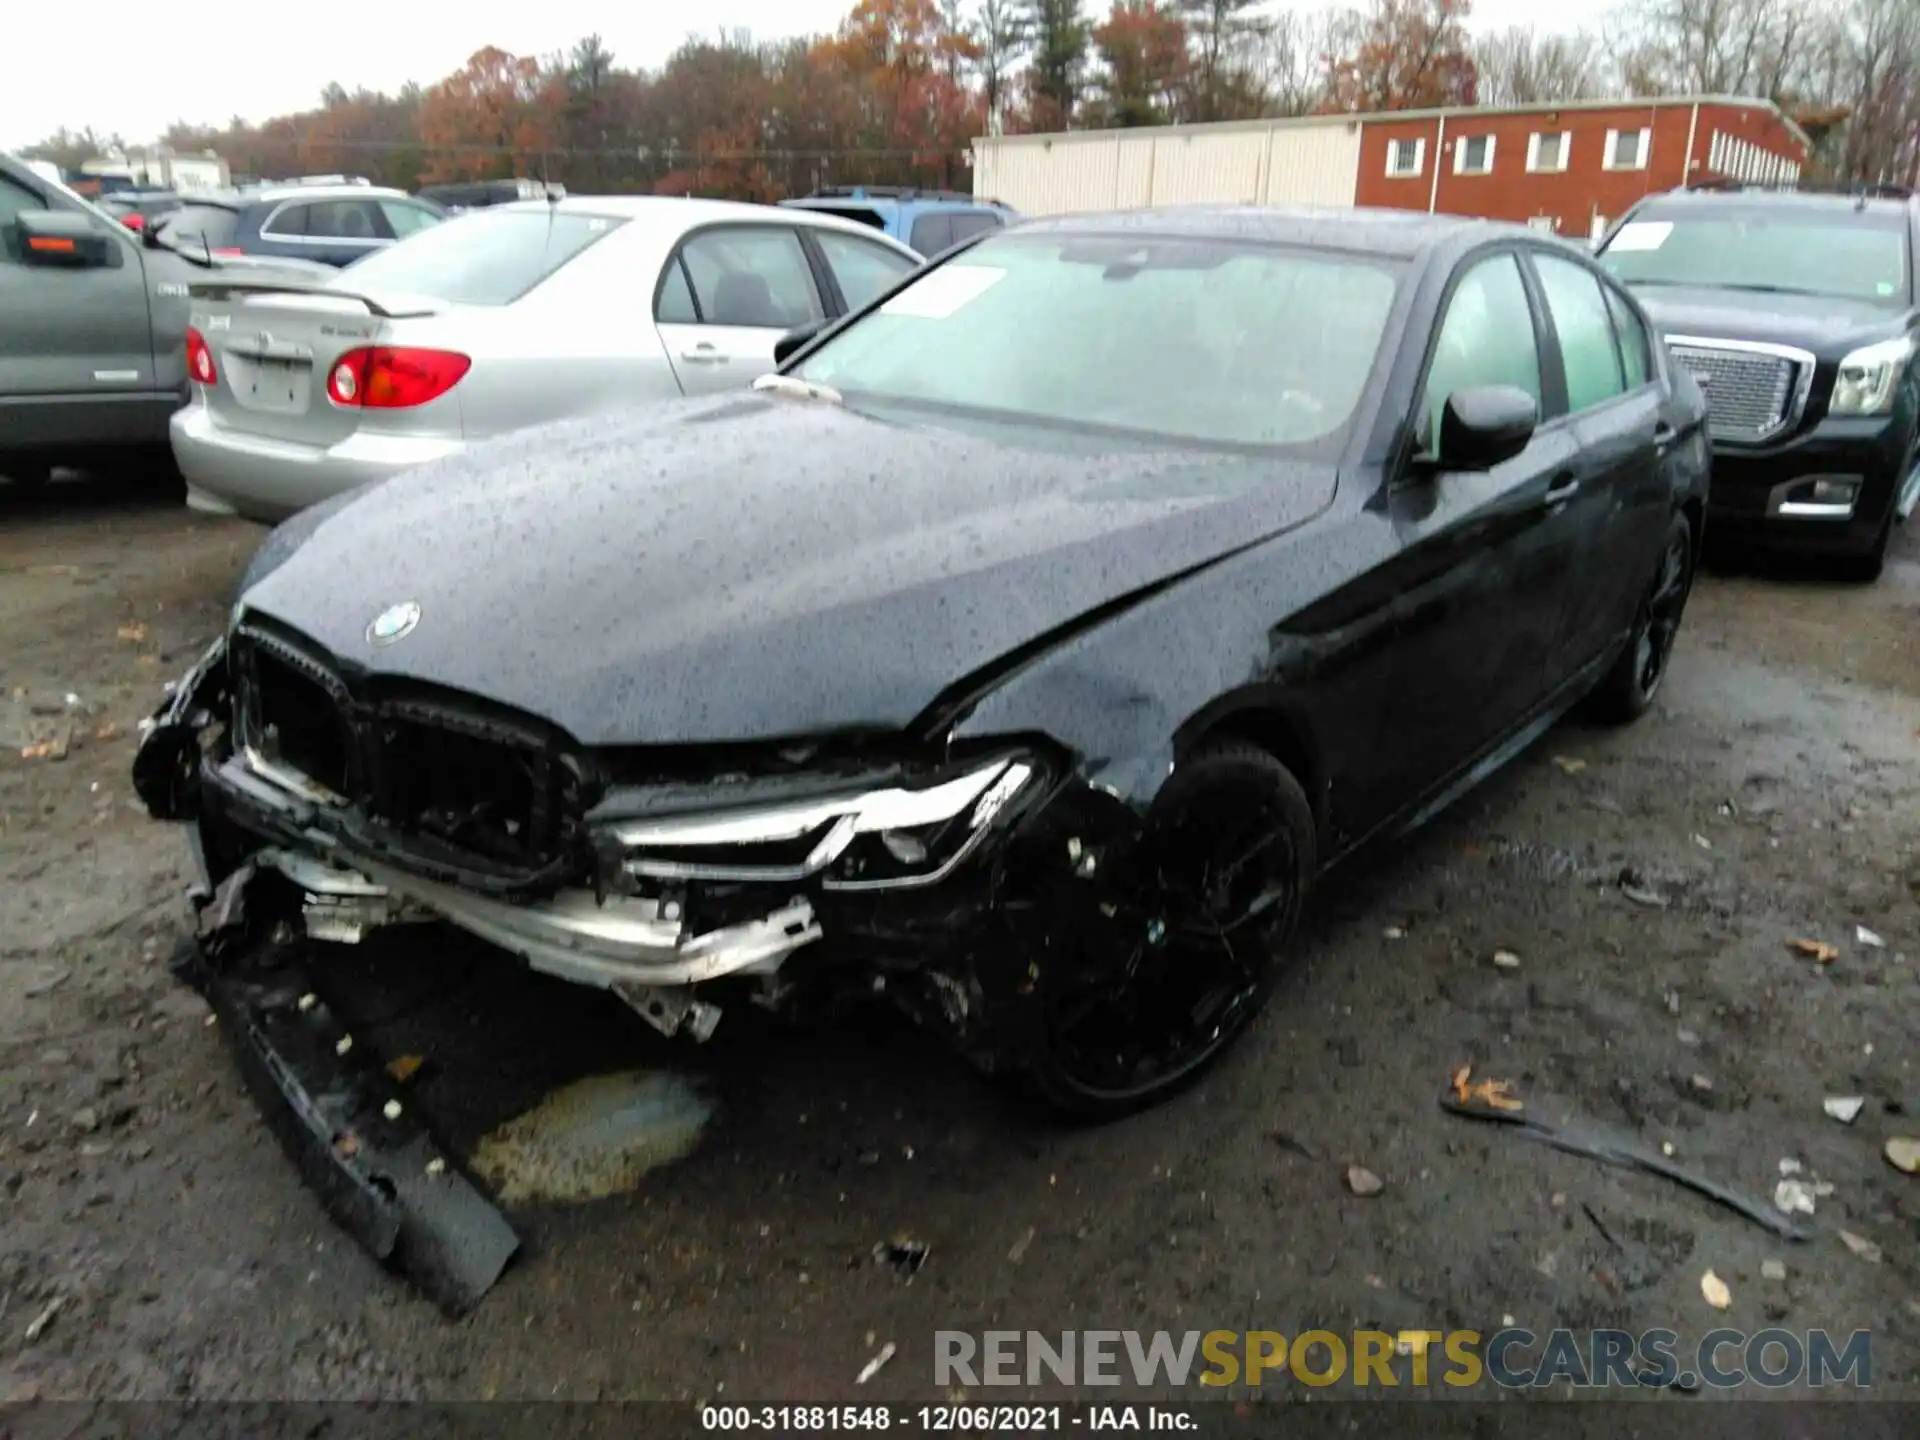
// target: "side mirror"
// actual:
[[1484, 425], [793, 340], [61, 238]]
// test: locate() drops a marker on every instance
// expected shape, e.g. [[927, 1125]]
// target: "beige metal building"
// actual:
[[1255, 162]]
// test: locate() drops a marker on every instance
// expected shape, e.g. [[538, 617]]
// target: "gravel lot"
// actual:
[[167, 1250]]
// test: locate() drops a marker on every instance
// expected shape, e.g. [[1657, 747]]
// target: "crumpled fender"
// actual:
[[166, 768]]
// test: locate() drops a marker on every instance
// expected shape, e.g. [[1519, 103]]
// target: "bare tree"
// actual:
[[1004, 34], [1706, 47], [1521, 66]]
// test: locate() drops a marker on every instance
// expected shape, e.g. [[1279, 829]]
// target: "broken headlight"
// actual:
[[893, 836]]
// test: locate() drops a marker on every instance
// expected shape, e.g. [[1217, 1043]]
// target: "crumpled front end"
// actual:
[[326, 805]]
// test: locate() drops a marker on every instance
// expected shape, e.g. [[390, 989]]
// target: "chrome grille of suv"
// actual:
[[1749, 392]]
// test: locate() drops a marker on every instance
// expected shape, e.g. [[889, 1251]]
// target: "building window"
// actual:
[[1473, 155], [1547, 152], [1627, 149], [1405, 158]]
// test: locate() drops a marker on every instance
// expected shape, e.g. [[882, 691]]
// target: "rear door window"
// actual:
[[751, 275], [347, 220], [862, 268], [932, 233]]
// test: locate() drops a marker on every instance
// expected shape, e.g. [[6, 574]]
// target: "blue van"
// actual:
[[928, 221]]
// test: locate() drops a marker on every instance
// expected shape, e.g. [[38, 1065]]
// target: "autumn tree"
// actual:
[[1142, 46], [71, 149], [1411, 55], [1056, 75], [1003, 33], [481, 120], [705, 125]]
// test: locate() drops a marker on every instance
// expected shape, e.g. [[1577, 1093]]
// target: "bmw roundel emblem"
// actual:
[[395, 622]]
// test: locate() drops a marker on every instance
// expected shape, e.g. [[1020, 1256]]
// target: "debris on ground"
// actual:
[[1773, 1270], [1643, 895], [1362, 1181], [1701, 1083], [1394, 932], [1613, 1150], [1793, 1197], [873, 1366], [1868, 938], [1019, 1250], [905, 1254], [1497, 1094], [1818, 951], [1715, 1290], [1571, 764], [1506, 960], [133, 634], [51, 749], [1903, 1153], [38, 1325], [404, 1067], [43, 980], [1844, 1108], [1861, 1246]]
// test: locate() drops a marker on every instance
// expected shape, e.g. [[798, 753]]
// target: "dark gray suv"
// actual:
[[328, 224]]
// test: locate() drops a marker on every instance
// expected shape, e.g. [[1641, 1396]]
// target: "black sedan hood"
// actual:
[[756, 567], [1827, 326]]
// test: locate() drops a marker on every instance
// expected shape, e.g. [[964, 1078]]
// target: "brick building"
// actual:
[[1571, 168]]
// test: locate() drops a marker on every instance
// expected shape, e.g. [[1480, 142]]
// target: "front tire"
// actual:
[[1628, 689], [1867, 568], [1139, 1010]]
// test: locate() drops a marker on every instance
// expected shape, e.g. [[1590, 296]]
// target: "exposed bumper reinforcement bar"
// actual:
[[348, 1128]]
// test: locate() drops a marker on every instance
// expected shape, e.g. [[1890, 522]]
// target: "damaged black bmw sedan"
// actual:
[[1022, 651]]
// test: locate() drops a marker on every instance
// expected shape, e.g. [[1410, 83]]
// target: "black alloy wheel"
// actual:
[[1627, 692], [1227, 858]]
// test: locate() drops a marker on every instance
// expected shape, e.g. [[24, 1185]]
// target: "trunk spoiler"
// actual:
[[240, 289]]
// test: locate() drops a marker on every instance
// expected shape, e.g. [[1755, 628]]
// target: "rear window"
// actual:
[[484, 257], [859, 214], [192, 224]]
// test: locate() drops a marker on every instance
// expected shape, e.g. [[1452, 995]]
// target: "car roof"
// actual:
[[1399, 233], [274, 194], [684, 212], [1713, 197]]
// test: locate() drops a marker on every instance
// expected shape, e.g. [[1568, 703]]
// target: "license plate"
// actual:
[[276, 386]]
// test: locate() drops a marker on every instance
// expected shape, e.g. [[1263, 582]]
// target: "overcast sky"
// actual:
[[134, 67]]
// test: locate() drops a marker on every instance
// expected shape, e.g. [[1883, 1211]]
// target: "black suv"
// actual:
[[1796, 312]]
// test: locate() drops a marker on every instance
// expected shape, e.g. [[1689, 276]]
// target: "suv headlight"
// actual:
[[1869, 377]]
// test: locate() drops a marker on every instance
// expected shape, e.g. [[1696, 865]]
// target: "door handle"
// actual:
[[1562, 488], [703, 354]]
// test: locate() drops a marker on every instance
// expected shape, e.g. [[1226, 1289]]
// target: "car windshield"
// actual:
[[484, 257], [1189, 340], [1854, 255]]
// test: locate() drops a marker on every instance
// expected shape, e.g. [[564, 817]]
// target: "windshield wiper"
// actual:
[[1767, 289]]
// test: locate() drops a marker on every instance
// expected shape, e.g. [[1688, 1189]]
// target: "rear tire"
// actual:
[[1628, 689], [1228, 854]]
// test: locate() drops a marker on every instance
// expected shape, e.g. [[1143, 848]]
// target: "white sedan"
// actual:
[[499, 319]]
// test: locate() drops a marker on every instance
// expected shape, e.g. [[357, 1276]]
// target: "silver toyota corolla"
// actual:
[[496, 320]]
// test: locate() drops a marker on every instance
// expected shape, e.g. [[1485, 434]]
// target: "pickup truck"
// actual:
[[92, 330]]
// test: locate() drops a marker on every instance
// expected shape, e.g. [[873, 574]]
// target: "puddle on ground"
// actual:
[[594, 1138]]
